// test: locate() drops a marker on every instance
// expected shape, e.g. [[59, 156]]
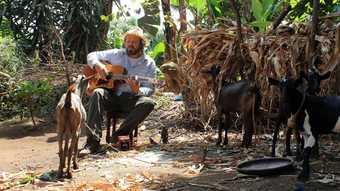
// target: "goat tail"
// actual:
[[68, 102]]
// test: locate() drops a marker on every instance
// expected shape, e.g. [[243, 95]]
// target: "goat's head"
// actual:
[[80, 85], [211, 75], [314, 79], [290, 90]]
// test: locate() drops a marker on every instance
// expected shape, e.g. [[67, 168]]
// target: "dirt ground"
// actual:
[[190, 161], [178, 165]]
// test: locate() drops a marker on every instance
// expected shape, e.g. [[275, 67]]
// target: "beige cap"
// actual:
[[136, 31]]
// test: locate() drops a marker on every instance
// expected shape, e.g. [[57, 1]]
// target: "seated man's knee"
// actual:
[[148, 103]]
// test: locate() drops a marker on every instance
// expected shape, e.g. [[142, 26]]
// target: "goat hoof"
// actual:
[[288, 153], [303, 177], [75, 166], [69, 175], [298, 158], [108, 140], [60, 174]]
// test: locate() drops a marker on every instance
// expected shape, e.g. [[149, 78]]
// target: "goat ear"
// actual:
[[325, 76], [273, 82]]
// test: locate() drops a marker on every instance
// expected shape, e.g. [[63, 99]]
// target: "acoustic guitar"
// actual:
[[117, 75]]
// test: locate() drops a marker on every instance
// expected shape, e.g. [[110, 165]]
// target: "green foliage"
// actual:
[[32, 21], [302, 9], [262, 11], [11, 57], [5, 30], [199, 5], [163, 101], [118, 26], [157, 50], [151, 20], [84, 28], [32, 96], [159, 74], [29, 178], [8, 104], [174, 3]]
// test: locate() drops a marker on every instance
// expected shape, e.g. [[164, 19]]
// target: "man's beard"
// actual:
[[133, 52]]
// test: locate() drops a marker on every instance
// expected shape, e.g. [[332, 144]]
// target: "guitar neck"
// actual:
[[122, 77]]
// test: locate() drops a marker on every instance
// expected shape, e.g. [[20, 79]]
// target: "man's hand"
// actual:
[[101, 70]]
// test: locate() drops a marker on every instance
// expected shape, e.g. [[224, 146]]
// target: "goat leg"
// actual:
[[108, 130], [70, 153], [136, 132], [61, 155], [299, 146], [220, 124], [304, 174], [315, 149], [288, 139], [225, 126], [75, 154], [248, 131], [66, 152], [276, 131]]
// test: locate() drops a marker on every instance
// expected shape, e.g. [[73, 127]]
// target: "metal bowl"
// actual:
[[266, 166]]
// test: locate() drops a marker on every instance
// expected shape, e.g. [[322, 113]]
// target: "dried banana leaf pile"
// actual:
[[263, 56]]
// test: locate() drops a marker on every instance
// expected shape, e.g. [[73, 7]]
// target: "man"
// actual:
[[138, 106]]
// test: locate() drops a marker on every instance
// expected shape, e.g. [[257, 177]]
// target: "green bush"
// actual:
[[11, 57], [118, 26], [33, 96]]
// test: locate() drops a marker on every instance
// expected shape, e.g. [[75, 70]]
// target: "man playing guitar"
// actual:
[[122, 98]]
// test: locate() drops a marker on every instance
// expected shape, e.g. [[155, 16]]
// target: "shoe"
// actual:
[[91, 148]]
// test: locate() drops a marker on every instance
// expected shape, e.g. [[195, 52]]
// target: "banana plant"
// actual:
[[262, 11], [150, 22]]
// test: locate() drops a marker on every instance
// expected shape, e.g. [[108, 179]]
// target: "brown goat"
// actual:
[[71, 116]]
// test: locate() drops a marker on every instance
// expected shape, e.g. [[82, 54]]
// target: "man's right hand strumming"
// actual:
[[101, 70]]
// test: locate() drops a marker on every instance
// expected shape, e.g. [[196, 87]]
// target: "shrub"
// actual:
[[11, 57]]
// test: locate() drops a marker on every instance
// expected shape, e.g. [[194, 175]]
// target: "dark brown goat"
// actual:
[[242, 96], [71, 116]]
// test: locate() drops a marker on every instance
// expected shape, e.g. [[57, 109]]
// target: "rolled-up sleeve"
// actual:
[[94, 58]]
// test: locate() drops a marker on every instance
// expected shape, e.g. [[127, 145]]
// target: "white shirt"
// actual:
[[143, 66]]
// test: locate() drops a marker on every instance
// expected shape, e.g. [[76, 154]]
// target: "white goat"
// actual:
[[71, 117]]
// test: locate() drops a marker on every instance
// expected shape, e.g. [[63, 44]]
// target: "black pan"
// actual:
[[266, 166]]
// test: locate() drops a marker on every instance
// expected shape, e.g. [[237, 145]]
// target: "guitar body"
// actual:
[[109, 83]]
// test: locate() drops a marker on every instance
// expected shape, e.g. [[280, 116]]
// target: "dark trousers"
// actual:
[[138, 108]]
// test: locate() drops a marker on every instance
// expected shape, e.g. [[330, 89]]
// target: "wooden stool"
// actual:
[[112, 119]]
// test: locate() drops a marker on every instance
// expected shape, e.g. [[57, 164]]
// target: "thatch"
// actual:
[[267, 55]]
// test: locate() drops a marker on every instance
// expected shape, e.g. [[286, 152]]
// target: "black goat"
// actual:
[[318, 115], [242, 96], [313, 79]]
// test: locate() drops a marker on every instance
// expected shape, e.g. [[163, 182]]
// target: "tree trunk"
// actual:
[[211, 19], [182, 16], [314, 30], [279, 19], [2, 13], [246, 10], [169, 34], [104, 27]]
